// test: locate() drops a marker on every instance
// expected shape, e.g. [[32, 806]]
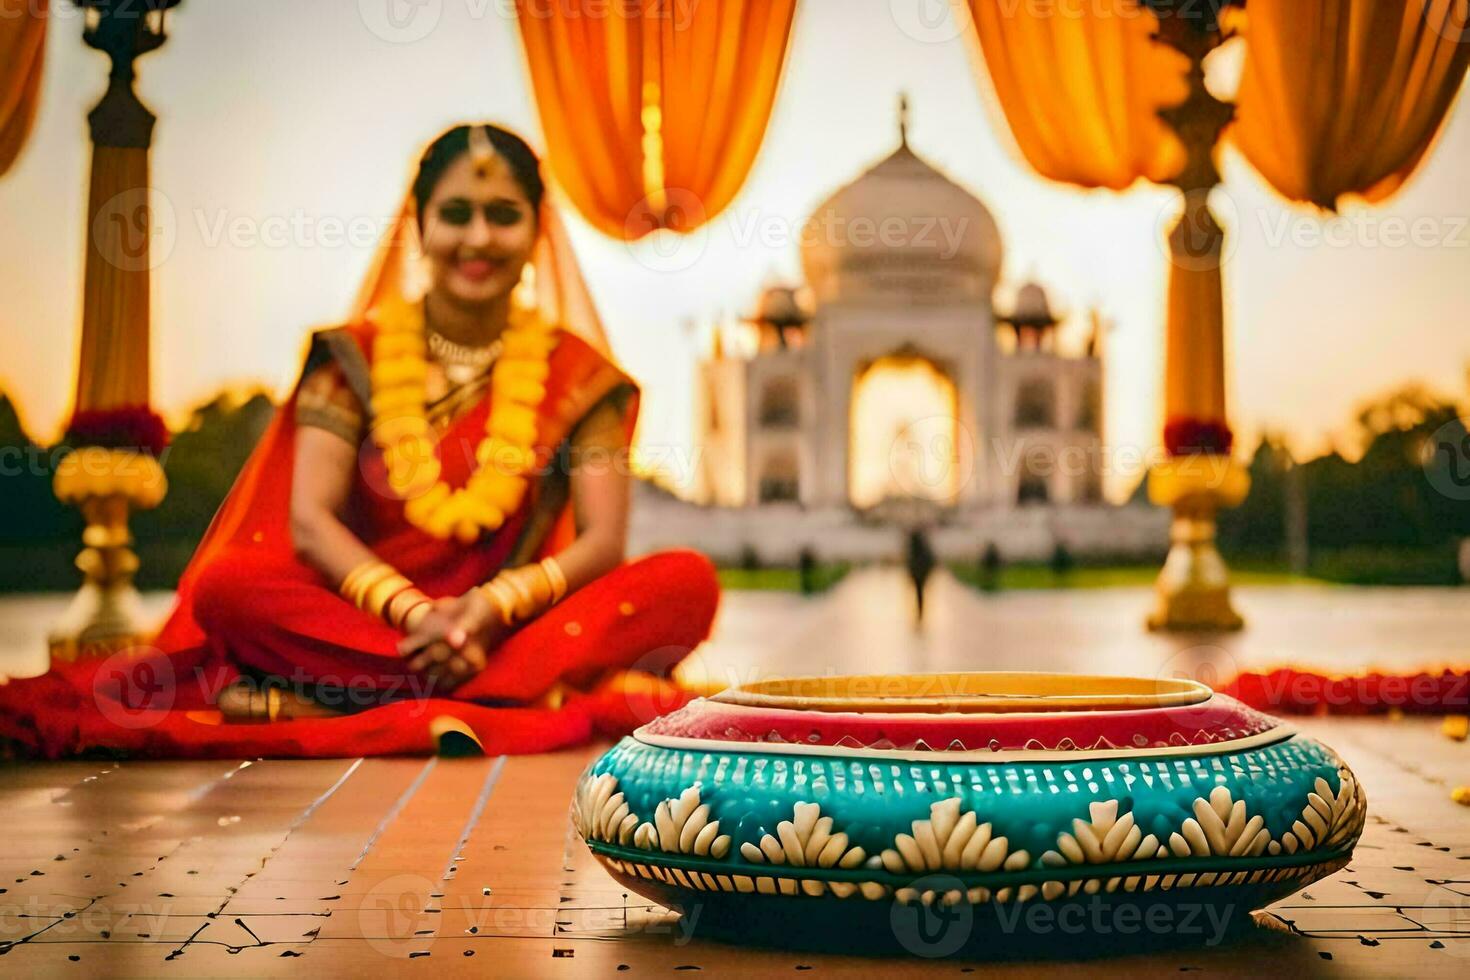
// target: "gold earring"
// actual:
[[524, 294]]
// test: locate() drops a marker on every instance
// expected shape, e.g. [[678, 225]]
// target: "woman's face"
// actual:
[[478, 232]]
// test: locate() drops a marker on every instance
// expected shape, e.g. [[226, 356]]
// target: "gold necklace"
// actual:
[[461, 362]]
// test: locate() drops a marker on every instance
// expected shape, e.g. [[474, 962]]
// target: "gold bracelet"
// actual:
[[383, 592], [555, 577], [538, 582], [499, 595], [378, 588], [509, 598], [519, 594], [525, 598], [402, 605], [368, 571], [416, 614], [357, 587], [349, 588]]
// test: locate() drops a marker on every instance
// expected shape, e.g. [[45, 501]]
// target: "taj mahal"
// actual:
[[890, 388]]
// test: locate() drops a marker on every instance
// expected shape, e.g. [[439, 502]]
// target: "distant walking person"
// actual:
[[921, 562]]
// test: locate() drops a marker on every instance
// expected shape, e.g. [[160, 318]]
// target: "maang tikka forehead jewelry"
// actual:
[[482, 153]]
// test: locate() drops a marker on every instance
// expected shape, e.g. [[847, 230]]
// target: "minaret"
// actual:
[[1097, 340], [1032, 319], [717, 349]]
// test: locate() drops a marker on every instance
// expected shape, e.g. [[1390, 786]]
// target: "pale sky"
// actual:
[[288, 126]]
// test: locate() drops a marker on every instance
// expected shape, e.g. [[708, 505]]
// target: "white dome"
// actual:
[[1032, 305], [903, 231], [781, 304]]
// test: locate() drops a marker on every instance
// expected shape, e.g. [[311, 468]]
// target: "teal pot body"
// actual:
[[819, 844]]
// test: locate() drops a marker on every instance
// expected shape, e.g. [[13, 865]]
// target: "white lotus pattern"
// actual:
[[1106, 839], [952, 841], [683, 826], [1329, 819], [601, 812], [807, 841], [1220, 827]]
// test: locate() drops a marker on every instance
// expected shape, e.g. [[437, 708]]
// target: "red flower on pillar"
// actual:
[[135, 427], [1189, 437]]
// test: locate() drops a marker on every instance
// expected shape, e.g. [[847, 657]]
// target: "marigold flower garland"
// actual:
[[506, 454]]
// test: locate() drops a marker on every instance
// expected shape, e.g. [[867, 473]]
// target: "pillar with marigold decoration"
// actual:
[[1199, 475], [115, 436]]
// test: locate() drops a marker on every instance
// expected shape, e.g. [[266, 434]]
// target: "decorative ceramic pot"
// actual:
[[783, 807]]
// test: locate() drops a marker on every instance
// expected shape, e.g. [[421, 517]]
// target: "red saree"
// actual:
[[246, 604]]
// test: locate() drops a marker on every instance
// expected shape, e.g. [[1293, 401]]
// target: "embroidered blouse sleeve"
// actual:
[[325, 401]]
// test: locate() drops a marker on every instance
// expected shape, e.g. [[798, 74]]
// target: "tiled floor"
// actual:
[[469, 866]]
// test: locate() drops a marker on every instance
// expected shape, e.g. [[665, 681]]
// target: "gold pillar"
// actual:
[[106, 614], [1193, 588], [108, 480]]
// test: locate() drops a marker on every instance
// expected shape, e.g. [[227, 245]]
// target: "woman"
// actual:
[[441, 508]]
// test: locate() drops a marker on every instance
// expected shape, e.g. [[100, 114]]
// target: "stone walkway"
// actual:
[[866, 623], [450, 867]]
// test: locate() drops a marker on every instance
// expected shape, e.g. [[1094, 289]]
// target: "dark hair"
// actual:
[[525, 166]]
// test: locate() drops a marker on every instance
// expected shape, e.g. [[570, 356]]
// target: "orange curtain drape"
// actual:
[[113, 371], [1345, 96], [1080, 84], [22, 54], [654, 110]]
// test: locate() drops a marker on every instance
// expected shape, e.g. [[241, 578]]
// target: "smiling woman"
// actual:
[[440, 509]]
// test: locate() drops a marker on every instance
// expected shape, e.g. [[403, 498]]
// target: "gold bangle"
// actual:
[[525, 599], [399, 607], [507, 600], [370, 568], [383, 592], [348, 588], [555, 577], [373, 583], [540, 581], [416, 614], [400, 604], [361, 580], [496, 591]]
